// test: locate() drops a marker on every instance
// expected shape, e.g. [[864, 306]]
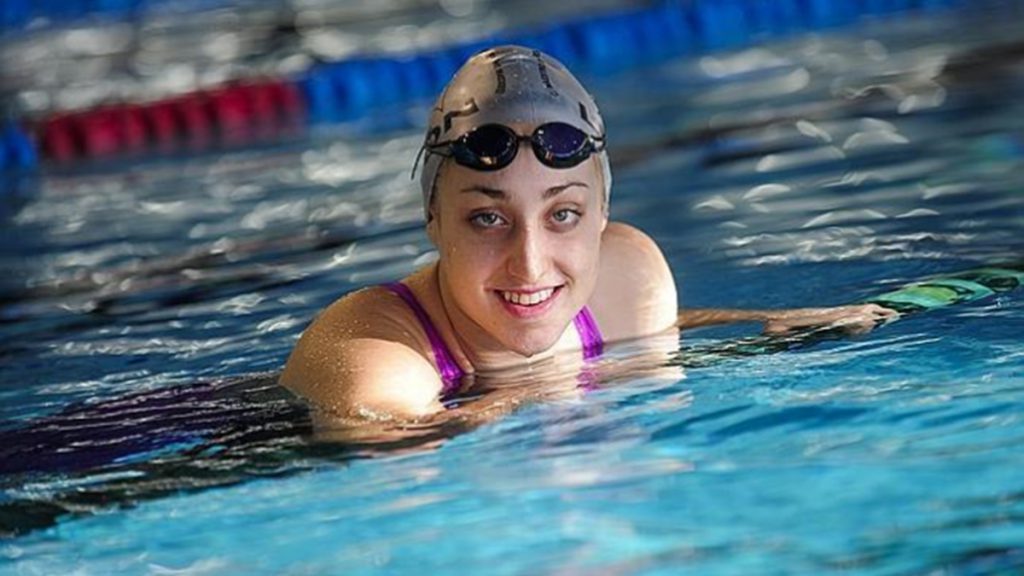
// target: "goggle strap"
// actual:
[[419, 156]]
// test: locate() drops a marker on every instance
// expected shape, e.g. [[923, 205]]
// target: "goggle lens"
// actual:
[[560, 145], [494, 146]]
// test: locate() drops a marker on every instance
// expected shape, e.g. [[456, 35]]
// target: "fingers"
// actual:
[[877, 315], [882, 312]]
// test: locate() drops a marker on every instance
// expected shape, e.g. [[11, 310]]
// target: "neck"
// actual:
[[483, 352]]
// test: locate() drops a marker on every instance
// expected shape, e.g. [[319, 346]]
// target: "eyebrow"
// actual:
[[499, 194]]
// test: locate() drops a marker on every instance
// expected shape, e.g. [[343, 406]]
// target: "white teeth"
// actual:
[[531, 299]]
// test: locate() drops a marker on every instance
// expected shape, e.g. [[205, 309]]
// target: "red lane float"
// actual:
[[228, 116]]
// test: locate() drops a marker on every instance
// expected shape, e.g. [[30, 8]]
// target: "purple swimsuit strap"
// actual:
[[451, 374], [446, 365], [590, 334]]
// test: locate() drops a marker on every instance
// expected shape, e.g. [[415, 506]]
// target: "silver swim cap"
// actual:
[[509, 85]]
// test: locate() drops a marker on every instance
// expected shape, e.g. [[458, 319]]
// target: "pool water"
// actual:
[[148, 305]]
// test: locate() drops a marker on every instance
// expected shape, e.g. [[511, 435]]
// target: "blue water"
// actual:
[[844, 166]]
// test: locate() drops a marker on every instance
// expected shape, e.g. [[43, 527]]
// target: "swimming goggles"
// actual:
[[494, 146]]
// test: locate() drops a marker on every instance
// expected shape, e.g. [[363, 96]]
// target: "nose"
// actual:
[[528, 254]]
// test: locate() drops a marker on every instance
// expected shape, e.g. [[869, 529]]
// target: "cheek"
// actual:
[[468, 256], [581, 253], [585, 262]]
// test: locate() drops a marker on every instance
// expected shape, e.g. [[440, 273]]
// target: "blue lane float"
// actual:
[[721, 24], [17, 152], [18, 174]]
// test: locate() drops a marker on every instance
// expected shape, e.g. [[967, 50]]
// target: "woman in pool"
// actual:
[[515, 183]]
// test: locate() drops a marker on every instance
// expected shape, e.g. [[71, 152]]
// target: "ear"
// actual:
[[604, 220]]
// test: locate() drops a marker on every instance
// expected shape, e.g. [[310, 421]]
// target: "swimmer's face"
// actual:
[[519, 248]]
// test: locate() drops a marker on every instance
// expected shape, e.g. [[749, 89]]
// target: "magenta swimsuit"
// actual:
[[584, 322]]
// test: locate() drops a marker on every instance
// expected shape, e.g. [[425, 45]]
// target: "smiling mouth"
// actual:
[[528, 298]]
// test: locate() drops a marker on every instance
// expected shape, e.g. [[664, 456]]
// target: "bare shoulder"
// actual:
[[362, 356], [626, 239], [636, 292]]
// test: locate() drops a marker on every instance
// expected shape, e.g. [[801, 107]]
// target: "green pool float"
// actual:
[[956, 288]]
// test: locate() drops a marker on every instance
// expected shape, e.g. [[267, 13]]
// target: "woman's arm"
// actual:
[[854, 319], [351, 364]]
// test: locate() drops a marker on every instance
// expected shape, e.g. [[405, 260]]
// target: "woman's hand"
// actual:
[[855, 319]]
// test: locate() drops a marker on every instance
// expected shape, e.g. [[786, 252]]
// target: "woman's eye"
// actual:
[[486, 220], [566, 216]]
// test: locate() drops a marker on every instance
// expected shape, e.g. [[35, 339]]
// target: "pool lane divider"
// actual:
[[352, 89], [923, 296]]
